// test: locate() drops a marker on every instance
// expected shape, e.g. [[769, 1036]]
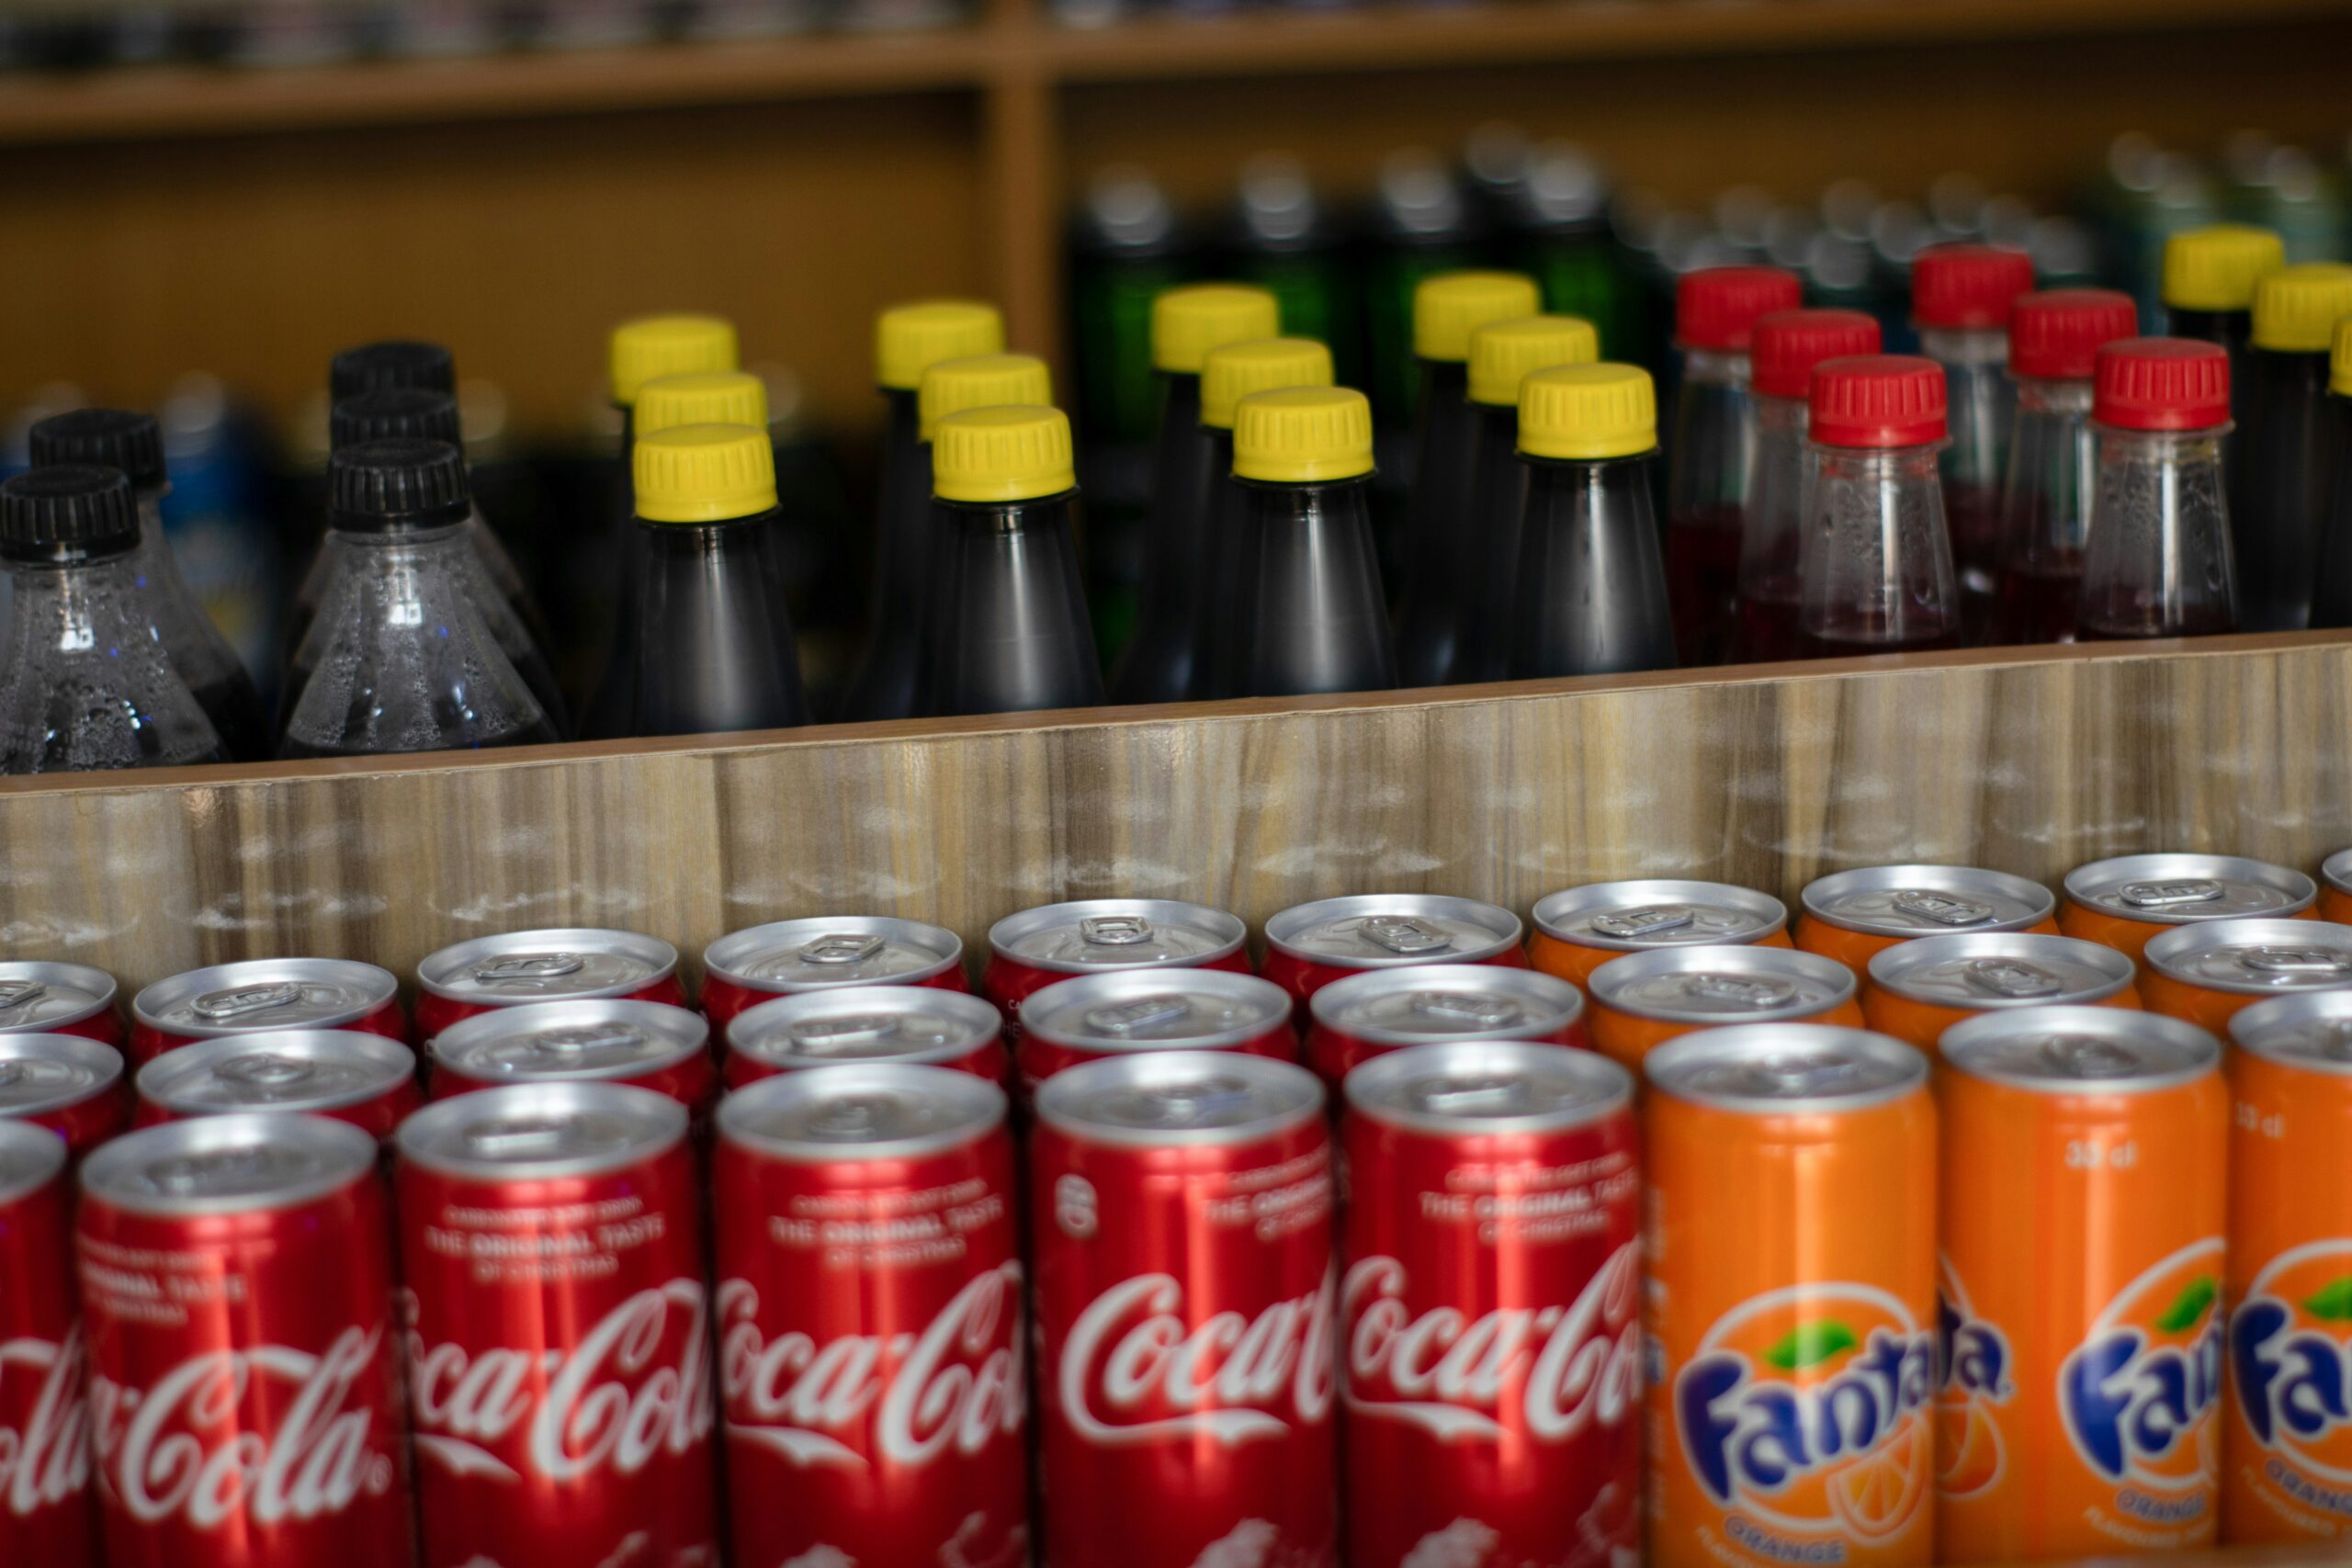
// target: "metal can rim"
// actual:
[[664, 1122], [1227, 928], [2084, 884], [1964, 1039], [1375, 1072], [1890, 970], [1551, 910], [106, 1062], [106, 989], [2251, 1022], [350, 1151], [1038, 1023], [368, 977], [1665, 1060], [155, 1081], [1283, 927], [1770, 962], [1547, 990], [991, 1104], [986, 1024], [2043, 904], [659, 1020], [1171, 1067], [2166, 951], [432, 976], [49, 1151], [724, 956]]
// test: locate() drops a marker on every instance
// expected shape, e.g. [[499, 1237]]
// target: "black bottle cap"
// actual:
[[68, 512], [395, 362], [414, 413], [399, 482], [110, 439]]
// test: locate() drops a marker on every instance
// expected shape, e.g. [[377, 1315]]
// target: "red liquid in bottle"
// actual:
[[1703, 582], [1973, 514], [2037, 604], [1857, 642], [2202, 621], [1768, 621]]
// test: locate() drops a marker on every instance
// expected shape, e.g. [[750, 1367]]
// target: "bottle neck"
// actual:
[[76, 606], [1715, 442], [1715, 368], [2160, 448], [1180, 402], [1274, 503], [2038, 398], [1043, 514]]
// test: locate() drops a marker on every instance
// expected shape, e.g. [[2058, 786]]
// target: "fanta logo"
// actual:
[[1975, 1376], [1132, 1372], [2291, 1353], [2137, 1392], [1973, 1354], [45, 1458]]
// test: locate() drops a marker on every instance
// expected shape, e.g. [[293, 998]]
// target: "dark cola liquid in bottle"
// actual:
[[1786, 346], [1713, 452], [951, 387], [401, 656], [1961, 300], [1591, 586], [1876, 566], [2210, 276], [2283, 499], [2159, 563], [85, 684], [2054, 339], [2331, 595], [118, 438]]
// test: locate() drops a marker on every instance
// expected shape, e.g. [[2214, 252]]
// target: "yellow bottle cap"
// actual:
[[1503, 352], [2296, 308], [668, 345], [1019, 452], [706, 397], [1448, 305], [1187, 322], [2216, 267], [1303, 435], [1234, 370], [981, 381], [703, 473], [1585, 412], [2339, 361], [910, 339]]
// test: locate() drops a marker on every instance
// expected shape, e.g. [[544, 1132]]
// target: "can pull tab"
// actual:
[[842, 948], [1740, 990], [1207, 1103], [1493, 1096], [218, 1007], [2295, 962], [530, 966], [1404, 935], [2174, 894], [1648, 920], [12, 1073], [1941, 907], [579, 1039], [2333, 1040], [1144, 1012], [264, 1069], [1454, 1011], [821, 1034], [523, 1138], [849, 1119], [217, 1170], [2011, 979], [2088, 1056], [17, 993], [1805, 1077], [1113, 930]]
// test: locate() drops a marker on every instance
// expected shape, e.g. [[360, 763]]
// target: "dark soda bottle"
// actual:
[[1301, 460], [950, 386], [1286, 238], [1713, 451], [1786, 346], [1961, 300], [2209, 280], [1591, 584], [2159, 560], [1558, 215], [2283, 500], [1876, 565], [2332, 596]]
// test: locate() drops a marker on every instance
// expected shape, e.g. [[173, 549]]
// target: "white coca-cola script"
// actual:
[[1131, 1371], [46, 1460]]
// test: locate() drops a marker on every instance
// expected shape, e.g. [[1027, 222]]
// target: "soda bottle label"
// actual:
[[2290, 1364]]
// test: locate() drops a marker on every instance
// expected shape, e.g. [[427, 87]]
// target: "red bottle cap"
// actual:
[[1789, 343], [1878, 400], [2056, 336], [2162, 383], [1716, 308], [1968, 285]]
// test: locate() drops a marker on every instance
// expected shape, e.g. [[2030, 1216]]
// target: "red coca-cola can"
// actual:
[[1490, 1323], [237, 1296], [38, 997], [1131, 1010], [559, 1362], [786, 957], [1180, 1211], [1035, 948], [364, 1079], [913, 1024], [1310, 945], [574, 964], [67, 1083], [1380, 1010], [45, 1509], [256, 994], [643, 1044], [870, 1331]]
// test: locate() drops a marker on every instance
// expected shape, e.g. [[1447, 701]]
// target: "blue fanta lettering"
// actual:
[[1974, 1355], [2124, 1402], [1745, 1434], [2294, 1385]]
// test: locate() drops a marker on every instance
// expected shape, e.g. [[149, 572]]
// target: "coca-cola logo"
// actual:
[[957, 1384], [1550, 1371], [637, 1385], [47, 1459], [184, 1447], [1132, 1371]]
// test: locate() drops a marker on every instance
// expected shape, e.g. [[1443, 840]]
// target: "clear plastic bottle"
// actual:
[[1302, 459], [119, 438], [2283, 499], [401, 656], [1961, 300], [1876, 564], [85, 684], [2159, 561]]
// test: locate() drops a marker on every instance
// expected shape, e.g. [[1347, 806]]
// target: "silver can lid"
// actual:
[[1155, 1009], [1489, 1087], [264, 993], [2174, 890], [577, 1041], [30, 1158], [40, 1073], [547, 966], [1722, 985], [2336, 871], [37, 995], [1776, 1069], [2080, 1050], [1167, 1099], [1632, 917], [1928, 900], [861, 1111], [2255, 958], [542, 1131], [293, 1069], [833, 950], [1424, 1002], [1116, 934], [870, 1023], [250, 1163], [2313, 1031], [2002, 969], [1384, 930]]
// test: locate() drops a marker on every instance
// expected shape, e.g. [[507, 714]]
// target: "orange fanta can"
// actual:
[[2079, 1412], [2122, 903], [2335, 887], [1643, 1000], [1582, 929], [2208, 974], [1849, 915], [1919, 990], [1791, 1257], [2287, 1446]]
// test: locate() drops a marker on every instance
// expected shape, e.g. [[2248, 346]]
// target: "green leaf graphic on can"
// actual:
[[2332, 1301], [1810, 1344], [2189, 1306]]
